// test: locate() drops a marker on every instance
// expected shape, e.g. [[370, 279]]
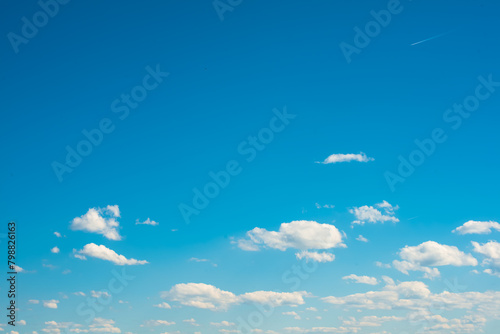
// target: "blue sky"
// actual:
[[307, 143]]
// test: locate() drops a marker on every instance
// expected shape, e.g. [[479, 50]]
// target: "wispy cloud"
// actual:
[[336, 158]]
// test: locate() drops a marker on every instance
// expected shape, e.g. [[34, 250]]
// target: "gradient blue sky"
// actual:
[[225, 79]]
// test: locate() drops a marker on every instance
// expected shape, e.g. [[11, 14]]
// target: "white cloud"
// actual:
[[163, 305], [382, 265], [315, 256], [104, 253], [50, 303], [207, 296], [301, 234], [361, 279], [191, 321], [361, 238], [201, 295], [100, 221], [154, 323], [101, 325], [33, 301], [431, 253], [326, 206], [99, 294], [55, 250], [477, 227], [405, 267], [491, 250], [147, 222], [222, 324], [336, 158], [21, 322], [370, 214], [57, 234], [293, 314], [275, 298]]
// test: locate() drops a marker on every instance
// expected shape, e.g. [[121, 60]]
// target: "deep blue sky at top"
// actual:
[[225, 79]]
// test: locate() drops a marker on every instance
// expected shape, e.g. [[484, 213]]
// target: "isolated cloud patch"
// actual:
[[361, 279], [300, 234], [99, 220], [477, 227], [147, 222], [209, 297], [381, 213], [50, 303], [104, 253], [431, 254], [315, 256], [336, 158]]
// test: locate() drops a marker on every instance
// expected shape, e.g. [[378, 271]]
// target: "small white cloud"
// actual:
[[50, 303], [104, 253], [336, 158], [99, 294], [222, 324], [325, 206], [315, 256], [21, 322], [163, 305], [293, 314], [55, 250], [361, 238], [382, 265], [57, 234], [477, 227], [154, 323], [33, 301], [100, 221], [66, 272], [370, 214], [147, 222], [361, 279]]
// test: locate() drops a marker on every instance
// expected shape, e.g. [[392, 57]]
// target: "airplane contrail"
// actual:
[[428, 39]]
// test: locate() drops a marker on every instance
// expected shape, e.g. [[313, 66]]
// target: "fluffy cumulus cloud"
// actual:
[[99, 220], [431, 254], [380, 213], [301, 234], [209, 297], [361, 279], [315, 256], [477, 227], [336, 158], [55, 250], [104, 253], [491, 252], [50, 303]]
